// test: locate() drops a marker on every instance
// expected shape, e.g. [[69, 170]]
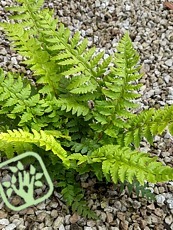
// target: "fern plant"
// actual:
[[80, 111]]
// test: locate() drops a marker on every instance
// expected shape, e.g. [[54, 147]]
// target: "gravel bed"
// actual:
[[103, 22]]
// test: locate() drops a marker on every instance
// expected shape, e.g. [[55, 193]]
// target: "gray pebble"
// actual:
[[58, 222], [169, 62], [91, 223], [97, 3], [169, 220], [170, 203], [4, 221], [14, 61], [160, 199], [61, 227], [10, 227], [88, 228], [3, 52]]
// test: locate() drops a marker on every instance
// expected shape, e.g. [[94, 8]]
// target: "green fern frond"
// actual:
[[40, 139], [52, 54], [146, 125], [17, 100], [74, 195], [126, 165], [118, 88], [23, 106], [124, 74]]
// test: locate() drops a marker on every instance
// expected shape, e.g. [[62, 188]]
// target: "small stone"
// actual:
[[48, 221], [143, 224], [121, 216], [118, 205], [3, 52], [3, 3], [54, 213], [47, 228], [159, 212], [41, 206], [168, 195], [160, 199], [166, 78], [23, 212], [41, 225], [14, 60], [53, 204], [103, 227], [22, 227], [168, 62], [104, 204], [171, 226], [97, 3], [13, 217], [103, 216], [2, 215], [17, 222], [57, 223], [109, 209], [41, 216], [67, 219], [169, 220], [91, 223], [149, 93], [82, 222], [124, 225], [50, 5], [89, 31], [30, 211], [154, 218], [39, 191], [110, 217], [128, 7], [136, 204], [170, 203], [61, 227], [74, 218], [4, 221], [88, 228], [10, 227], [151, 207], [146, 228], [6, 178]]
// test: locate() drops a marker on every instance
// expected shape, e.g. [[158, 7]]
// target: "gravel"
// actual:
[[103, 22]]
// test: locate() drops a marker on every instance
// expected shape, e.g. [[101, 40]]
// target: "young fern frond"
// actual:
[[121, 83], [118, 89]]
